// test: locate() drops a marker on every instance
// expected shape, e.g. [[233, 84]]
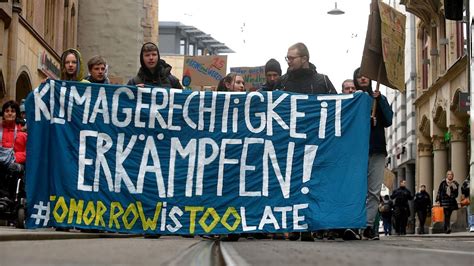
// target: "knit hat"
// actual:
[[273, 65]]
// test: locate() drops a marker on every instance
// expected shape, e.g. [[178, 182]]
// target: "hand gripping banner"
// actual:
[[166, 161]]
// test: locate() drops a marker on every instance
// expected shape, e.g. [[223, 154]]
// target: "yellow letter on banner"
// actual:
[[192, 216], [114, 216], [146, 222], [130, 209], [101, 209], [61, 203], [228, 212], [89, 213], [75, 208], [203, 219]]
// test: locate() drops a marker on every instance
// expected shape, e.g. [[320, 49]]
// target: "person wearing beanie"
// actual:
[[377, 148], [272, 73], [301, 76]]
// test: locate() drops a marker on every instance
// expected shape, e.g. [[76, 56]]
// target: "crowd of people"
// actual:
[[301, 77]]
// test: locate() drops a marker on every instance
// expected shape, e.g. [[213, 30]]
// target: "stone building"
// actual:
[[33, 34], [441, 74], [117, 30]]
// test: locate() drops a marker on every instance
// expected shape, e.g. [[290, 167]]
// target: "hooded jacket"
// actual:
[[383, 115], [305, 80], [79, 69], [161, 77]]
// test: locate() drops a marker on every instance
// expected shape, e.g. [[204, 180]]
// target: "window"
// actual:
[[459, 39], [182, 47], [49, 22], [425, 61], [191, 49], [199, 51]]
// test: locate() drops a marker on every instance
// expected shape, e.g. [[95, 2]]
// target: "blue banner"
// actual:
[[161, 161]]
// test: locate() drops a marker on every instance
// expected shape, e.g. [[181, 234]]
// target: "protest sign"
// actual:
[[203, 70], [167, 161], [254, 77], [383, 58]]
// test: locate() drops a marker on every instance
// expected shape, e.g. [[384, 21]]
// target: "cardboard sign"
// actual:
[[254, 77], [204, 70], [384, 51]]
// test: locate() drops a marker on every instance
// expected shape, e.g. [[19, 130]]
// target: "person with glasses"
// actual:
[[381, 119], [301, 76]]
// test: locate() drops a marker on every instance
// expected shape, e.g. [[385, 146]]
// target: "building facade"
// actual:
[[33, 35], [117, 30], [440, 71]]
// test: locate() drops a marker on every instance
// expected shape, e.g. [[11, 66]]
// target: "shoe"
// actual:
[[231, 238], [307, 236], [156, 236], [278, 237], [448, 231], [349, 234], [471, 229], [369, 233], [331, 235], [294, 236]]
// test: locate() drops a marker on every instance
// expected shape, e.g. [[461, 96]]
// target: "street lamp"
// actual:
[[335, 11]]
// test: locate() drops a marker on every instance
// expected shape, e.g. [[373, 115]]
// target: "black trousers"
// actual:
[[422, 219], [402, 219], [447, 217]]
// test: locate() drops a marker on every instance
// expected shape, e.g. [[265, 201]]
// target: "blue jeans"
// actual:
[[374, 185]]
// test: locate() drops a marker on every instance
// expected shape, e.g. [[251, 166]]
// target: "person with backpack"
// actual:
[[422, 207], [385, 210], [401, 196]]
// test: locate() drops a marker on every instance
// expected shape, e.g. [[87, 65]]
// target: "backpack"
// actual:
[[384, 207]]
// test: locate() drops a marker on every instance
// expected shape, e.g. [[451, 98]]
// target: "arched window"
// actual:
[[23, 86]]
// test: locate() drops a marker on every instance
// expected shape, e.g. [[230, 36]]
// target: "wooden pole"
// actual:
[[374, 104]]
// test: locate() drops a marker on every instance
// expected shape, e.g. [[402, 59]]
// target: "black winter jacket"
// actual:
[[422, 201], [443, 198], [306, 81], [401, 196], [161, 77]]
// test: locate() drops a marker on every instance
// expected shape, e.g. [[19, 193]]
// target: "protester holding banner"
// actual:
[[377, 148], [447, 193], [301, 76], [12, 145], [231, 82], [71, 66], [154, 71], [97, 70], [348, 86], [272, 73]]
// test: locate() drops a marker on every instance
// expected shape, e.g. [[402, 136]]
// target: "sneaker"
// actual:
[[307, 236], [349, 234], [369, 233], [294, 236], [231, 238], [471, 229]]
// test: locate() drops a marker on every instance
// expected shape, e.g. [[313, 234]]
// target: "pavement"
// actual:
[[8, 233]]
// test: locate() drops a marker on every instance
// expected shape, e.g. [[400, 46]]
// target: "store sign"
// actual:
[[48, 66]]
